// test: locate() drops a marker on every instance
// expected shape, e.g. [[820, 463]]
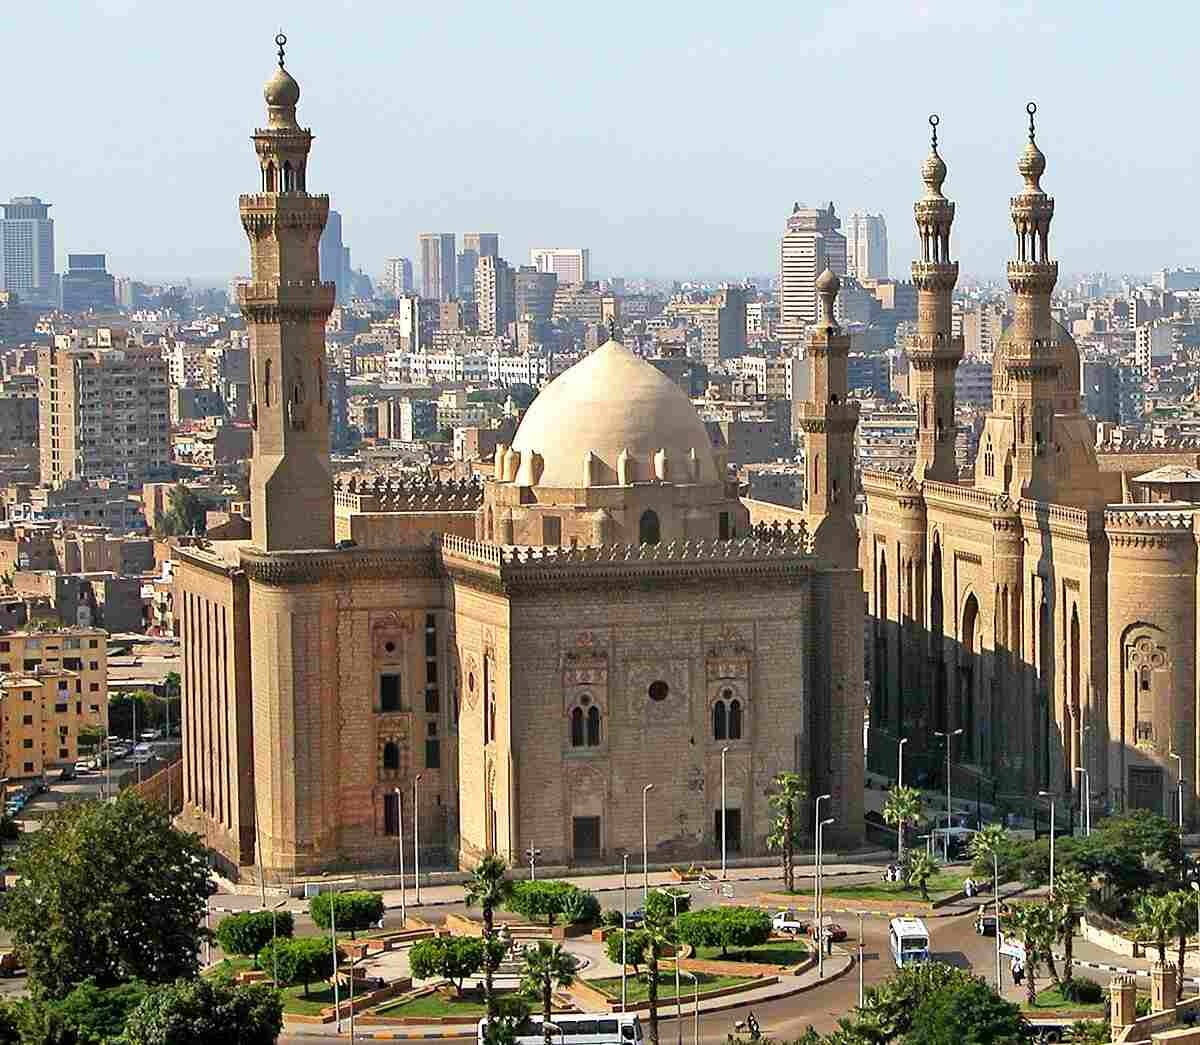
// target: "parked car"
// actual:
[[147, 735], [985, 923], [635, 918], [10, 964], [84, 765], [830, 930], [67, 773], [789, 921]]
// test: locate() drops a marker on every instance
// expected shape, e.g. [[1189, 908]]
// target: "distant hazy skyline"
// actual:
[[670, 138]]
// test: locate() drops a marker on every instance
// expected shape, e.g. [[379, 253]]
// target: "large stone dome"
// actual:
[[612, 414]]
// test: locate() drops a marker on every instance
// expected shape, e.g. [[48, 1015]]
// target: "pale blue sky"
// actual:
[[670, 137]]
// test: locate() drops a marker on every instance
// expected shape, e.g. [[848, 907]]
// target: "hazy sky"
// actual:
[[669, 136]]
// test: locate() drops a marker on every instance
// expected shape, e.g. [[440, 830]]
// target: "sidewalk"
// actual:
[[445, 895]]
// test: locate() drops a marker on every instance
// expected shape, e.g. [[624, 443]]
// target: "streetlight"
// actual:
[[675, 898], [1049, 795], [400, 858], [900, 784], [1196, 890], [274, 938], [337, 1005], [624, 916], [695, 1007], [1087, 800], [817, 853], [996, 900], [645, 849], [562, 1034], [1179, 786], [820, 927], [417, 836], [724, 813], [860, 960], [947, 737], [531, 855]]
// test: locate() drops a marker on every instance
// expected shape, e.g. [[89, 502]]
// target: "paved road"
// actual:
[[952, 940]]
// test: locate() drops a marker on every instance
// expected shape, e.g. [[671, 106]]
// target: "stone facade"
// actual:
[[1028, 606]]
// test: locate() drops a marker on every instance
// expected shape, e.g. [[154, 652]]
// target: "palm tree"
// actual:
[[1037, 925], [903, 807], [1183, 901], [789, 793], [919, 869], [1157, 918], [658, 929], [989, 841], [488, 888], [1070, 900], [547, 966]]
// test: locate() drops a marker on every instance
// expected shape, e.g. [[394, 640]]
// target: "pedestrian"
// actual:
[[1018, 972]]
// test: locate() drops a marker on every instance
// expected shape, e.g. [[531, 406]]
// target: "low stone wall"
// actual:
[[461, 925], [717, 967], [593, 997], [361, 1001], [1109, 940]]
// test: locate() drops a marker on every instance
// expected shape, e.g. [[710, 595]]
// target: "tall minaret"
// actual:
[[934, 352], [829, 421], [285, 307], [1031, 361]]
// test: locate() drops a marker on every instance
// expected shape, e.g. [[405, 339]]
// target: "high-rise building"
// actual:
[[495, 295], [476, 245], [721, 320], [535, 293], [569, 264], [866, 246], [27, 250], [811, 243], [103, 408], [397, 277], [438, 266], [332, 257], [86, 285]]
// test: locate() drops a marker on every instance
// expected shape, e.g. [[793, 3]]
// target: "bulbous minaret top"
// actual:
[[933, 170], [828, 286], [1032, 209], [282, 93], [1032, 164]]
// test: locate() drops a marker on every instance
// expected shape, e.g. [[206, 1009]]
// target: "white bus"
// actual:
[[620, 1028], [909, 940]]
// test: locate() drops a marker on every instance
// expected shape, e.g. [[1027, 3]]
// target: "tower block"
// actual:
[[285, 307], [934, 352]]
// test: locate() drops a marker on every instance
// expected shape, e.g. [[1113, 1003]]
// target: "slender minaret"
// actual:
[[934, 352], [828, 421], [1031, 361], [285, 307]]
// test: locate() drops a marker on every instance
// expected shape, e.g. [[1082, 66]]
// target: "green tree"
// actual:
[[547, 966], [185, 513], [635, 947], [888, 1009], [663, 903], [1069, 902], [81, 906], [903, 807], [789, 793], [969, 1013], [487, 888], [725, 927], [1158, 917], [454, 958], [991, 840], [919, 867], [352, 911], [540, 899], [199, 1012], [580, 908], [95, 1014], [305, 959], [1037, 925], [658, 928], [250, 931]]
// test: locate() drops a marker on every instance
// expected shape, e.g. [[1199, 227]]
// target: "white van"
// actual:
[[909, 940]]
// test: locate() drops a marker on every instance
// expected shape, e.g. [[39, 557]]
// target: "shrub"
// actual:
[[580, 908], [305, 960], [635, 947], [661, 904], [352, 911], [540, 899], [611, 919], [725, 927], [454, 958], [250, 932], [1082, 990], [199, 1011]]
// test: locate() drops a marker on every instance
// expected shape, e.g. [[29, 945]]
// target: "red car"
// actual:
[[830, 930]]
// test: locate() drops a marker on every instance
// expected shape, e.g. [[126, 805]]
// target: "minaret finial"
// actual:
[[933, 123], [280, 42], [1031, 108]]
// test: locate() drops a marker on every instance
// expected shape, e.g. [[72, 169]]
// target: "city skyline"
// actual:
[[599, 164]]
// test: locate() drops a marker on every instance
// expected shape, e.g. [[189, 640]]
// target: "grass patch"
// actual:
[[228, 968], [1051, 1000], [941, 885], [636, 986], [434, 1005], [773, 952], [320, 996]]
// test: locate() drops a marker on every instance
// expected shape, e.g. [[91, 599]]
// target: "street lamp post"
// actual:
[[996, 900], [817, 854], [1049, 795], [274, 939], [695, 1006], [400, 858], [624, 916], [820, 926], [724, 811], [1179, 787], [675, 898], [860, 960], [562, 1034], [417, 837], [900, 784], [531, 855], [1087, 800], [337, 1005], [947, 737], [645, 844]]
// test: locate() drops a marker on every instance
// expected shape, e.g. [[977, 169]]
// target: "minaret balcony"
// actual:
[[924, 351], [1031, 206], [1032, 277], [935, 275]]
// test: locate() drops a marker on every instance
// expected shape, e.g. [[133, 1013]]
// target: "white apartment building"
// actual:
[[811, 243], [570, 264], [866, 246]]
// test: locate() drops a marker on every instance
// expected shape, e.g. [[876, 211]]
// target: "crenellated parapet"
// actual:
[[297, 300], [1142, 528], [387, 494]]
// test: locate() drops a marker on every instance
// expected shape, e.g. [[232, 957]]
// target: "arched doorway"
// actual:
[[936, 627], [1073, 714], [882, 665], [648, 529], [968, 671]]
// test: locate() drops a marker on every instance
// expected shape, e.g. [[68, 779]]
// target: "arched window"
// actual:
[[391, 756], [648, 529], [593, 726], [720, 721], [288, 185], [269, 178], [735, 720], [577, 727], [989, 459], [267, 383]]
